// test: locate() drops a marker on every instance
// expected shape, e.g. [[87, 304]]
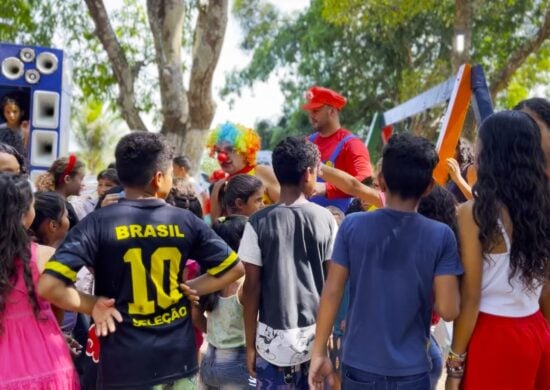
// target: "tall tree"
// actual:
[[380, 53], [115, 52], [187, 114]]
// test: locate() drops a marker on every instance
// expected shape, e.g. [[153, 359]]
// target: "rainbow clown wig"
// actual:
[[244, 140]]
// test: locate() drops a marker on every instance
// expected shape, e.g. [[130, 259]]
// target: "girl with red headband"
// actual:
[[65, 177]]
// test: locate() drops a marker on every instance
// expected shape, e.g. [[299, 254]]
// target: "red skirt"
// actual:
[[508, 353]]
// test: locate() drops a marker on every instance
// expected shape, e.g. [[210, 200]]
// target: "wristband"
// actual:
[[455, 364]]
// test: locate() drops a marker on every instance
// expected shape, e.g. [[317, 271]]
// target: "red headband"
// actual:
[[69, 168]]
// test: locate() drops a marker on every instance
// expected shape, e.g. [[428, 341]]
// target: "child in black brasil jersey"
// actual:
[[137, 249]]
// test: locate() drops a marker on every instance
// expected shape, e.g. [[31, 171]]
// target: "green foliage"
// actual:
[[28, 22], [67, 24], [379, 53], [535, 72], [96, 130]]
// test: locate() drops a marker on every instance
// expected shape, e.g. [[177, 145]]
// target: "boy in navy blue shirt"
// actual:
[[138, 249], [400, 265]]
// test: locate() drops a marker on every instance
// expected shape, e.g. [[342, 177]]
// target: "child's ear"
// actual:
[[239, 203], [52, 225], [382, 183], [156, 181], [309, 174]]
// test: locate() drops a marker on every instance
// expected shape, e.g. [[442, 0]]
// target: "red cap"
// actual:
[[319, 96]]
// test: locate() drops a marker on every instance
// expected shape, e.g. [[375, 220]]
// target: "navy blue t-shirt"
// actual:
[[392, 258], [138, 251]]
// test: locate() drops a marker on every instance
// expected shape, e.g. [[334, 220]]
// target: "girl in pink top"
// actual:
[[33, 352]]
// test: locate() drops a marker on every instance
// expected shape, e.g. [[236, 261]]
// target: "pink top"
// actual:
[[33, 351]]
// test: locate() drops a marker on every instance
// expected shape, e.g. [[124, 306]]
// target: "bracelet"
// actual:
[[454, 355], [455, 364]]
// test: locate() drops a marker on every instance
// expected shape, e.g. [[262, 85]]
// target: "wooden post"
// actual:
[[453, 122]]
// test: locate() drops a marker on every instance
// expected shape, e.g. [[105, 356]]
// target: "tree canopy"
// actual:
[[381, 53], [154, 57]]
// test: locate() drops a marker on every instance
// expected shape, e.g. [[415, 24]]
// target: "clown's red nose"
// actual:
[[222, 157]]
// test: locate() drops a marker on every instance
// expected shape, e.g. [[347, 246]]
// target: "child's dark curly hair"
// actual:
[[440, 205], [183, 200], [292, 157], [511, 175], [139, 155]]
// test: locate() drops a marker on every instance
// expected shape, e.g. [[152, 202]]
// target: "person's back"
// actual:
[[138, 249], [152, 239], [284, 247], [400, 265], [294, 241], [392, 259], [505, 248]]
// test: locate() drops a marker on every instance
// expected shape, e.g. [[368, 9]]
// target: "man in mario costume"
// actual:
[[339, 147]]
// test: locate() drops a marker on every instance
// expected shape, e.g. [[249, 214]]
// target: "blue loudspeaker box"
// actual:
[[39, 78]]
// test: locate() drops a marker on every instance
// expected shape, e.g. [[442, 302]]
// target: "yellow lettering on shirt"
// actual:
[[178, 233], [162, 231], [162, 319], [149, 231], [122, 232], [135, 231]]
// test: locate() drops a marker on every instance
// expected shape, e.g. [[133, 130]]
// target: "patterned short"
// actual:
[[271, 377]]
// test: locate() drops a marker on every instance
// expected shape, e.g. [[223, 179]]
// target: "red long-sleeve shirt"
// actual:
[[353, 158]]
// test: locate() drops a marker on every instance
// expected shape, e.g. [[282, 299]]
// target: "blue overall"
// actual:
[[341, 203]]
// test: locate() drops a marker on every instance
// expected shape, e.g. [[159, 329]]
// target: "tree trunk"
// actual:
[[207, 46], [462, 26], [192, 144], [166, 19], [501, 78], [187, 115], [123, 72]]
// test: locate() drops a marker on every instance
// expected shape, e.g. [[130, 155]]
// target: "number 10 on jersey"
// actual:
[[141, 304]]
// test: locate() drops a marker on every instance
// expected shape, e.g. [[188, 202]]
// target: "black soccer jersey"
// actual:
[[138, 250]]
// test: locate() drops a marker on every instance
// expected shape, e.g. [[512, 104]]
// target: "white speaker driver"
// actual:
[[32, 76], [46, 62], [12, 68], [27, 54]]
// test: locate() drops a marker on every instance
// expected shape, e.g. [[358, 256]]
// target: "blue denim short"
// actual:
[[270, 376], [355, 379], [225, 369]]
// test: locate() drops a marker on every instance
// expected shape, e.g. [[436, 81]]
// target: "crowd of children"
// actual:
[[117, 292]]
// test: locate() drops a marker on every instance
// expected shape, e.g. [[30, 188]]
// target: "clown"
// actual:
[[235, 147]]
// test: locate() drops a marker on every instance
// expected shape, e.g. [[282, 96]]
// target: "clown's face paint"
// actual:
[[230, 160]]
